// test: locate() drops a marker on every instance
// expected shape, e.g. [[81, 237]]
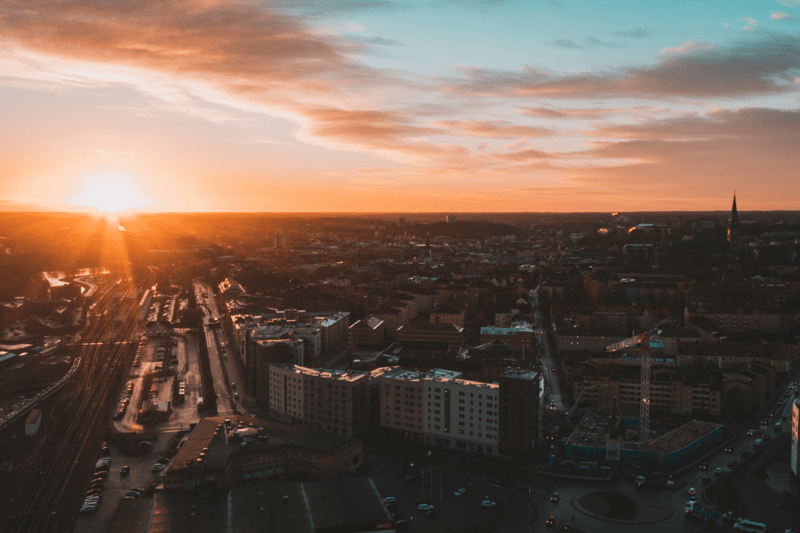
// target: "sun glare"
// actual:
[[110, 194]]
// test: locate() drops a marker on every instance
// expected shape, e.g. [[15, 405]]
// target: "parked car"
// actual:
[[433, 513], [488, 503], [158, 467], [751, 432], [424, 507], [124, 470]]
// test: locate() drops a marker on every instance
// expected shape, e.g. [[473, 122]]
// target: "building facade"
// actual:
[[334, 401], [520, 413]]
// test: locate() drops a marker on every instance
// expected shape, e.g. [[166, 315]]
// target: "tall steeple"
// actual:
[[733, 224]]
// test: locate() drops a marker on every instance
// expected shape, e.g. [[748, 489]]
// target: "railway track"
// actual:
[[44, 494]]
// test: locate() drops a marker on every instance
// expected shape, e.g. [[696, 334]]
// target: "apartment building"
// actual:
[[334, 401], [727, 354], [520, 412], [438, 408], [671, 391], [425, 331], [367, 332], [449, 312], [461, 414], [521, 336]]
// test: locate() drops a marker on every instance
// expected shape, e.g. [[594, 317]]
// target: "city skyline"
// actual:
[[383, 106]]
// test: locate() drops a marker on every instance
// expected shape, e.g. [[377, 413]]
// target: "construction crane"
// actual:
[[644, 408]]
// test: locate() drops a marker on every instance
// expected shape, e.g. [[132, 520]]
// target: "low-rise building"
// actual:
[[369, 331], [220, 453], [426, 331]]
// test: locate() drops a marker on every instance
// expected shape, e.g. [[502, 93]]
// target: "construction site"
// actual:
[[625, 438]]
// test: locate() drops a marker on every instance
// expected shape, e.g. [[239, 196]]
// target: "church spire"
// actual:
[[733, 224]]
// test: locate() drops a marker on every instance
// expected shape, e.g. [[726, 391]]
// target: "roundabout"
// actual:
[[615, 506]]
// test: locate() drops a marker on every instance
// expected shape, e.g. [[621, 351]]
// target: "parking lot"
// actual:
[[453, 513]]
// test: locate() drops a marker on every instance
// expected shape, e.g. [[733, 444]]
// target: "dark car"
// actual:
[[420, 501], [124, 470], [703, 466], [551, 520], [706, 480], [101, 473], [94, 492], [728, 450], [432, 513], [402, 524]]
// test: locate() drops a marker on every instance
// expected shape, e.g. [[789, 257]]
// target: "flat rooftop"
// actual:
[[339, 375], [318, 506], [684, 435], [519, 373]]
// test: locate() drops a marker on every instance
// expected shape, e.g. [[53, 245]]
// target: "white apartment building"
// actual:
[[438, 408], [461, 414]]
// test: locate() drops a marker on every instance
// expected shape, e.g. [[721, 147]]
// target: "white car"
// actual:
[[460, 492], [488, 503], [158, 467]]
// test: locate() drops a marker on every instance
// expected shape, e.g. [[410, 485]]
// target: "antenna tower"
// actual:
[[644, 409]]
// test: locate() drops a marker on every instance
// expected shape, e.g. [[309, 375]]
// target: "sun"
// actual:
[[110, 194]]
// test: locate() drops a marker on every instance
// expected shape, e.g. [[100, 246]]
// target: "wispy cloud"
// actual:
[[686, 48], [494, 129], [636, 33], [789, 3], [594, 41], [752, 67], [751, 23], [565, 43], [779, 15]]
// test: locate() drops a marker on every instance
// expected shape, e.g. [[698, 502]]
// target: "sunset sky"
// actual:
[[401, 106]]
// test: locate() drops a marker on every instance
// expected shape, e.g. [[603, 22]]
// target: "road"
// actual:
[[548, 359], [215, 339]]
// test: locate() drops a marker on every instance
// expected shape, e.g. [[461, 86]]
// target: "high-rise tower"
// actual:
[[733, 225]]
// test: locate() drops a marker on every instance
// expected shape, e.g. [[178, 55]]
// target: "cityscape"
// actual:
[[426, 372], [372, 266]]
